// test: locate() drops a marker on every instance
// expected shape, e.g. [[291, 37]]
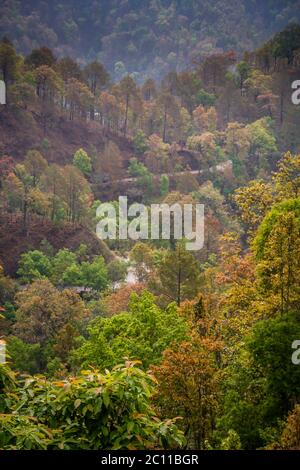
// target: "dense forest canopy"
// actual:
[[143, 344], [145, 37]]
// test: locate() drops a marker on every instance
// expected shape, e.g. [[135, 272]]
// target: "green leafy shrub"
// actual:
[[90, 411]]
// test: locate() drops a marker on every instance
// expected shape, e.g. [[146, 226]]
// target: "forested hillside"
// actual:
[[147, 37], [143, 344]]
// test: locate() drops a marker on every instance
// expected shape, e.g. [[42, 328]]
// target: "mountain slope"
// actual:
[[148, 37]]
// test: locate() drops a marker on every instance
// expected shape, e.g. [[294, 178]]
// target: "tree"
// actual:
[[243, 69], [6, 167], [243, 407], [54, 183], [119, 300], [68, 68], [75, 193], [78, 98], [209, 152], [119, 69], [178, 275], [34, 265], [270, 347], [8, 289], [8, 61], [83, 162], [128, 89], [169, 107], [237, 141], [287, 177], [43, 313], [253, 202], [139, 142], [142, 258], [157, 156], [63, 259], [164, 185], [186, 183], [94, 274], [189, 379], [72, 276], [143, 175], [39, 57], [36, 165], [277, 249], [117, 270], [214, 67], [189, 88], [23, 183], [110, 162], [188, 387], [21, 94], [143, 333], [257, 84], [38, 202], [262, 384], [149, 89], [24, 357], [48, 83], [205, 99], [98, 79], [205, 119], [13, 190], [262, 141], [109, 110], [286, 42], [49, 89], [290, 437]]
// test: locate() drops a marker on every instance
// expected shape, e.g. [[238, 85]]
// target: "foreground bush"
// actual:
[[90, 411]]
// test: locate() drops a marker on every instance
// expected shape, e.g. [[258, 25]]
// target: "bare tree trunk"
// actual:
[[126, 115]]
